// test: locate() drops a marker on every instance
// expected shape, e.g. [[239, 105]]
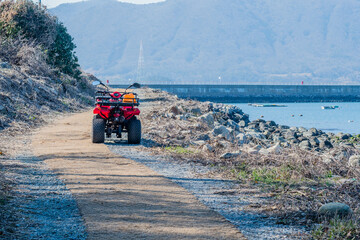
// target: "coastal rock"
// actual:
[[314, 141], [2, 109], [277, 139], [237, 117], [175, 110], [226, 156], [222, 131], [253, 150], [302, 129], [284, 127], [232, 124], [325, 144], [309, 134], [242, 138], [271, 123], [5, 65], [203, 137], [222, 144], [332, 210], [242, 124], [290, 134], [207, 148], [272, 150], [196, 111], [354, 161], [305, 145], [208, 119], [198, 143], [256, 135], [343, 136]]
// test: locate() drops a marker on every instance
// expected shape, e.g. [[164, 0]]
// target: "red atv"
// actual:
[[116, 112]]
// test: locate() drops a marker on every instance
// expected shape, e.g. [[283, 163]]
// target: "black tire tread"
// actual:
[[134, 131], [98, 130]]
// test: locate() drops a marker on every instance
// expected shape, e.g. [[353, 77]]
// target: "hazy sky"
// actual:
[[54, 3]]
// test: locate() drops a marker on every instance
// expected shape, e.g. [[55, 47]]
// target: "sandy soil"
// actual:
[[119, 198]]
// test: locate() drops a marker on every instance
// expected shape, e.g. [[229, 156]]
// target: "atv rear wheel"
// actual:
[[98, 130], [134, 131]]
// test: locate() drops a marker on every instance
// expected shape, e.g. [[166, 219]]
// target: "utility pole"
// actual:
[[140, 70], [39, 3]]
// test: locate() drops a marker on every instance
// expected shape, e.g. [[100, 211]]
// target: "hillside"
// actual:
[[316, 41], [39, 73]]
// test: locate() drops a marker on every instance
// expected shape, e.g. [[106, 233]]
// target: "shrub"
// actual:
[[24, 19]]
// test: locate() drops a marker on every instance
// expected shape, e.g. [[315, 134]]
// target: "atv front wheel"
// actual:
[[98, 130], [134, 131]]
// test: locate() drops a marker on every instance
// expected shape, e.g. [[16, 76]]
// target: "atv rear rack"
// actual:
[[119, 104]]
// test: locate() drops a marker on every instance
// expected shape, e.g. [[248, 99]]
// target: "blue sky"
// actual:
[[54, 3]]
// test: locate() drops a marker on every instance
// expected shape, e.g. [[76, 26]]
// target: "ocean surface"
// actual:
[[345, 119]]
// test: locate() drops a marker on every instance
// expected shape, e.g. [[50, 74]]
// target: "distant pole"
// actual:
[[39, 3], [140, 70]]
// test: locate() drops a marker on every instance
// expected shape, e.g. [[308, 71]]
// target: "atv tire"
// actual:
[[134, 131], [98, 130]]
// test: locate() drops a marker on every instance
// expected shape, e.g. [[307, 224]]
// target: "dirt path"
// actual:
[[119, 198]]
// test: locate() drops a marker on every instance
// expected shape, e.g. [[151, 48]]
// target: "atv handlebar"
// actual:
[[103, 92]]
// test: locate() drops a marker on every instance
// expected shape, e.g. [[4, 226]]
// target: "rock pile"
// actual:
[[219, 127]]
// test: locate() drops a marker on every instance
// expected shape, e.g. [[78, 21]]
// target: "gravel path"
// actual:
[[40, 207], [220, 195], [120, 198]]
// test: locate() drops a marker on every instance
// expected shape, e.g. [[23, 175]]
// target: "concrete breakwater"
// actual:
[[263, 93]]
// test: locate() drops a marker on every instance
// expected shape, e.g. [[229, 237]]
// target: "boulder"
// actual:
[[196, 111], [208, 119], [226, 156], [199, 143], [271, 123], [332, 210], [237, 117], [276, 149], [207, 148], [302, 129], [325, 144], [290, 134], [305, 145], [242, 138], [222, 144], [314, 141], [256, 135], [220, 130], [242, 124], [203, 137], [2, 109], [354, 161], [5, 65], [343, 136], [232, 124], [175, 110], [308, 134], [277, 138]]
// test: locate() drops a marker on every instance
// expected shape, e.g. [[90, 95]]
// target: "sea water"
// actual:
[[345, 119]]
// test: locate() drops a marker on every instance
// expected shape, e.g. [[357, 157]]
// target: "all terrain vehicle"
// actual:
[[115, 113]]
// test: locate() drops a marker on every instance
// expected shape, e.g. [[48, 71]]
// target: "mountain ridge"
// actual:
[[185, 41]]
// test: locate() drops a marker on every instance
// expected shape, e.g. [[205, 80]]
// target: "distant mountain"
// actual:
[[196, 41]]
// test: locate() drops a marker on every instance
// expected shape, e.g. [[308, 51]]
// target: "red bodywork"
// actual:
[[106, 111]]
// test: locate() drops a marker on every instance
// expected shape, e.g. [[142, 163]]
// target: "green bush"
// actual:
[[25, 19]]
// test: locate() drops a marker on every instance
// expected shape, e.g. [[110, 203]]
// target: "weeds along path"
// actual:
[[119, 198]]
